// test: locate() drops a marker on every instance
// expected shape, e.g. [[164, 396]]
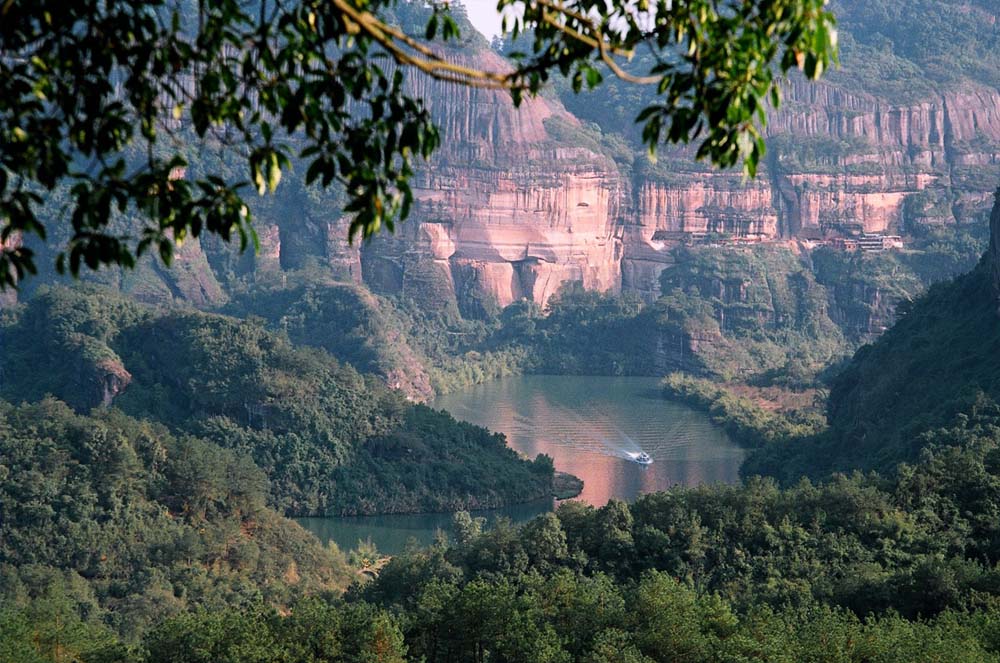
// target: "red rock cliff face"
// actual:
[[508, 210], [519, 201], [892, 152], [504, 211], [838, 161]]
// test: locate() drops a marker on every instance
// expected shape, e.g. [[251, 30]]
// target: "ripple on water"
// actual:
[[592, 426], [589, 426]]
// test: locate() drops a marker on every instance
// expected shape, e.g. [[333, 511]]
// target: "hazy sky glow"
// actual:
[[483, 14]]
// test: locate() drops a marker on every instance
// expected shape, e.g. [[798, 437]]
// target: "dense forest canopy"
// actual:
[[856, 569], [113, 522], [894, 44], [331, 440]]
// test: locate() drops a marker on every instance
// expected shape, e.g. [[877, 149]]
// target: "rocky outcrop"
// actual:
[[512, 205], [861, 309], [310, 239], [684, 350], [394, 359], [711, 202], [863, 157], [108, 379], [97, 374], [839, 162], [190, 278], [519, 201]]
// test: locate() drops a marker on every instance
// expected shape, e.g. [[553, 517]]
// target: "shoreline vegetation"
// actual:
[[753, 418], [329, 439], [566, 486]]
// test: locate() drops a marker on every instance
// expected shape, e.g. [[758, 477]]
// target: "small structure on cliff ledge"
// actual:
[[876, 242], [843, 244]]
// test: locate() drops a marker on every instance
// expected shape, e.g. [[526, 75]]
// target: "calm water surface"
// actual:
[[591, 426]]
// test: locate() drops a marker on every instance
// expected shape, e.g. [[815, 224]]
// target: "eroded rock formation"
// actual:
[[510, 207], [109, 378], [514, 205], [519, 201], [838, 162]]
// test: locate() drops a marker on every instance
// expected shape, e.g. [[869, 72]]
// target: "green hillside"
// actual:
[[904, 49], [938, 366], [330, 440], [119, 523]]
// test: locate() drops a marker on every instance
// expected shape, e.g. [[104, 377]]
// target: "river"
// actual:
[[591, 426]]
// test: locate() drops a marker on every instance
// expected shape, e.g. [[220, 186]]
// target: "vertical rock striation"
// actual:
[[519, 201], [513, 205], [838, 162]]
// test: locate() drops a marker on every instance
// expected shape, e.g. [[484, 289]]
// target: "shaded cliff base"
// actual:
[[929, 383], [938, 367], [766, 316]]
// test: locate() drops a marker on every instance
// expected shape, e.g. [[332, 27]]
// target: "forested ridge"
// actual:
[[109, 522], [935, 368], [856, 569], [329, 439]]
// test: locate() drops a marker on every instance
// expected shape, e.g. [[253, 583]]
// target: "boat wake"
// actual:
[[598, 434]]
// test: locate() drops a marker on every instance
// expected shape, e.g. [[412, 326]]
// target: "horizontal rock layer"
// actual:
[[515, 205], [519, 201], [837, 162], [504, 210]]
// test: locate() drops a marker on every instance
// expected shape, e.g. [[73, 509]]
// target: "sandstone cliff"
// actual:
[[505, 210], [519, 201], [514, 206], [838, 162]]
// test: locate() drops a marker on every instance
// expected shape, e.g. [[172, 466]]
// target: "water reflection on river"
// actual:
[[591, 426]]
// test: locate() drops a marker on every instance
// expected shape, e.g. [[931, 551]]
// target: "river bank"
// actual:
[[753, 417], [566, 486]]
